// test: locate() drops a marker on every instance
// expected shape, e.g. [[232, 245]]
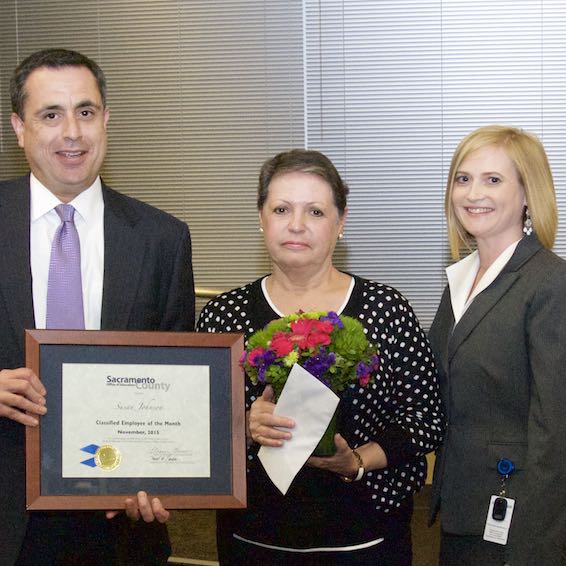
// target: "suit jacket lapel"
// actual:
[[15, 284], [481, 306], [123, 260], [488, 298]]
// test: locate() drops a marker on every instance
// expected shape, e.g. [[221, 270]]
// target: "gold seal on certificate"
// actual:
[[107, 457]]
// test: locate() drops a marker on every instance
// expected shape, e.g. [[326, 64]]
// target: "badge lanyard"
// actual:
[[501, 507]]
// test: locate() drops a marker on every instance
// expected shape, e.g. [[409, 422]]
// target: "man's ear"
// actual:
[[18, 127]]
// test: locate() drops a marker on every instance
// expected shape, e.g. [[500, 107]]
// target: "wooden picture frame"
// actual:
[[56, 356]]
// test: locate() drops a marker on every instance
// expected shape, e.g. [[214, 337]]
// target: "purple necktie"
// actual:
[[64, 288]]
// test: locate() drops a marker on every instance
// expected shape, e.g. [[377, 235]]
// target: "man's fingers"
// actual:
[[18, 402], [132, 510], [18, 416], [161, 514], [23, 382], [141, 506], [38, 386], [144, 507], [14, 407]]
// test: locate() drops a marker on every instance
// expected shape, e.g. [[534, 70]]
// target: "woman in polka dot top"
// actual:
[[354, 507]]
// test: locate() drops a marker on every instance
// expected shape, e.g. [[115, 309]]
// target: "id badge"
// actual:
[[498, 519]]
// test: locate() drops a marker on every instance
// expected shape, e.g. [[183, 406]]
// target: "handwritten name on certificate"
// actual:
[[135, 420]]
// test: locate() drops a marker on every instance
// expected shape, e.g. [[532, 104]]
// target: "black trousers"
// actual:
[[459, 550], [90, 539]]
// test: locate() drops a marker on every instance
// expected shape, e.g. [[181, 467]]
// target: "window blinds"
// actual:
[[202, 92]]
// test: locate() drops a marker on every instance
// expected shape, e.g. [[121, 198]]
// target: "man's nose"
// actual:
[[71, 128]]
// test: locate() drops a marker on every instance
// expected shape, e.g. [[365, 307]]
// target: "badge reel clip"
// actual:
[[505, 467], [500, 511]]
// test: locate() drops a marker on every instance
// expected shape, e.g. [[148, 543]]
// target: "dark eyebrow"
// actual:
[[89, 104], [48, 108]]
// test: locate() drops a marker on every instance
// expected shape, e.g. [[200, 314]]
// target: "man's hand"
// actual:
[[142, 507], [21, 391]]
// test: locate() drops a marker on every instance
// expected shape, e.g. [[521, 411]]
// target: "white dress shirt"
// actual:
[[461, 277], [89, 220]]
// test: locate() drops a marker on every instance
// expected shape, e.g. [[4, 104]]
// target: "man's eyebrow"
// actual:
[[48, 108], [89, 103]]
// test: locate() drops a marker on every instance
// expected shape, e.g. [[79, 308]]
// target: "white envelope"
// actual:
[[311, 405]]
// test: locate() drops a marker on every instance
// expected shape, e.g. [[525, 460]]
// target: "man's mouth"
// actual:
[[71, 154]]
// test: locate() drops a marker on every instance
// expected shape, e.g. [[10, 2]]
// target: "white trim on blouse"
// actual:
[[461, 276], [276, 310]]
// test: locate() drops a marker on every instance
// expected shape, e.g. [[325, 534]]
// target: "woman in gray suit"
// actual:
[[500, 342]]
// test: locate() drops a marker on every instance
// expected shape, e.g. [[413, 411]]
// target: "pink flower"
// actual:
[[281, 344], [364, 379], [325, 326], [308, 333]]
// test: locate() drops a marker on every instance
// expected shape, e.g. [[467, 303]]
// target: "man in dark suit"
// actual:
[[136, 275]]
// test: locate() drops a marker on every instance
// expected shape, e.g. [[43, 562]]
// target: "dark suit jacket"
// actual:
[[148, 285], [502, 372]]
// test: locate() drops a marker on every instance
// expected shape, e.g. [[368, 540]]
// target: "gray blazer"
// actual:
[[148, 285], [502, 372]]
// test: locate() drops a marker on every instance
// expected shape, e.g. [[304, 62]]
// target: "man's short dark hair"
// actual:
[[53, 58]]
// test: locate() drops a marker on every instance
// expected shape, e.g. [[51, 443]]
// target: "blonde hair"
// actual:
[[527, 154]]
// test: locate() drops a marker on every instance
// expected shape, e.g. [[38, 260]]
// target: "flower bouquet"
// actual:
[[333, 348]]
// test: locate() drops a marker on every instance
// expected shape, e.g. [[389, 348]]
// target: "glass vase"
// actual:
[[326, 446]]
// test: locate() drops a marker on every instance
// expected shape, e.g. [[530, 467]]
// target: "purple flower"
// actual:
[[268, 358], [363, 373], [261, 374], [333, 318], [361, 369], [318, 365], [264, 361]]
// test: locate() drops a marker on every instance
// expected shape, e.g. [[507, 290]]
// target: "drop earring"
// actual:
[[527, 223]]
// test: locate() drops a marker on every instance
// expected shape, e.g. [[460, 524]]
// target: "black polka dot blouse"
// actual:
[[400, 411]]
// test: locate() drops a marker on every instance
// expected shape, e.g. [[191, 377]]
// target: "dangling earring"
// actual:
[[260, 229], [341, 235], [527, 223]]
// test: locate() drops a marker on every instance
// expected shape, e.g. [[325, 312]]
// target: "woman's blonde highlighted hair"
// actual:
[[527, 154]]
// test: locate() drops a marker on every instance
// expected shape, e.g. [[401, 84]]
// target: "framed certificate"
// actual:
[[161, 412]]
